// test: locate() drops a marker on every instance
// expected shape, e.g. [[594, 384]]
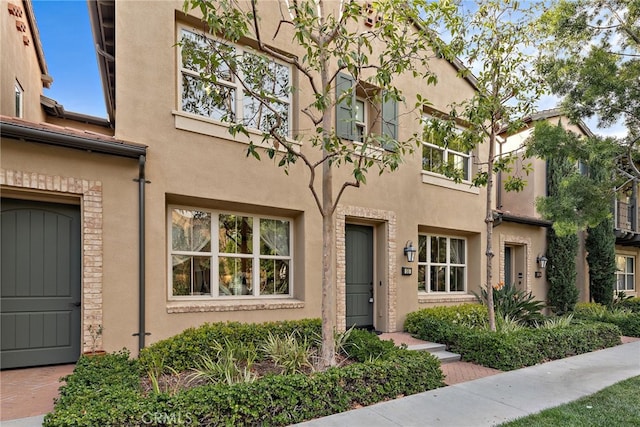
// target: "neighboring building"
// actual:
[[158, 222]]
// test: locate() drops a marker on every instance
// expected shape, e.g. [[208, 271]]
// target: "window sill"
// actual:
[[428, 178], [210, 127], [232, 305], [441, 298]]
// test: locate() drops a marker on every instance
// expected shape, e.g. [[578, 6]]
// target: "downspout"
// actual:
[[141, 254]]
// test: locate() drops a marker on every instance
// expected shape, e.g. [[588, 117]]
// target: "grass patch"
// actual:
[[618, 405]]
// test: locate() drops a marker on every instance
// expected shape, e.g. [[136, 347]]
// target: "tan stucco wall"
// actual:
[[19, 63], [193, 169]]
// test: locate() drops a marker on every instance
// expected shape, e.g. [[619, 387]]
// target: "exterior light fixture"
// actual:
[[542, 261], [410, 251]]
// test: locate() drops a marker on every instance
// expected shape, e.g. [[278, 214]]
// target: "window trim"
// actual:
[[446, 152], [427, 264], [214, 256], [239, 90], [625, 274]]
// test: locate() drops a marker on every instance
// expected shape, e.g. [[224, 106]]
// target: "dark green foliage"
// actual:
[[632, 304], [510, 350], [517, 305], [178, 351], [364, 345], [601, 248], [561, 249], [627, 321], [106, 391], [561, 272]]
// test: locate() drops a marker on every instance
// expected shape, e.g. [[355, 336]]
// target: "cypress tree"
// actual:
[[601, 248], [561, 250]]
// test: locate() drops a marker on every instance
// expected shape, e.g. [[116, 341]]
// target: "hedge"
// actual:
[[180, 350], [509, 350], [106, 390], [628, 322]]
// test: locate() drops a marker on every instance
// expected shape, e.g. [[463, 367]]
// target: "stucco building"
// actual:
[[154, 220]]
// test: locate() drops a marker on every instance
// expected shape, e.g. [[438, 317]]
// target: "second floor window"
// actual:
[[443, 152], [234, 97], [19, 100]]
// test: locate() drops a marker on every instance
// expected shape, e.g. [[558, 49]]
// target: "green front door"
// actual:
[[359, 270], [40, 290]]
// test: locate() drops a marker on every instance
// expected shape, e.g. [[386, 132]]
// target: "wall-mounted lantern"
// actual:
[[410, 251], [542, 261]]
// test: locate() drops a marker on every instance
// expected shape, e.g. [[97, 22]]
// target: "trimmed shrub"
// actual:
[[510, 350], [632, 304], [179, 350], [107, 391], [625, 319]]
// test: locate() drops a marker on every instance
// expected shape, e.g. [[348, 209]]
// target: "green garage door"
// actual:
[[40, 290]]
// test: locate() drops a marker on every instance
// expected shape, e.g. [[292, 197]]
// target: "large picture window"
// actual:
[[231, 98], [625, 273], [442, 266], [218, 255], [444, 152]]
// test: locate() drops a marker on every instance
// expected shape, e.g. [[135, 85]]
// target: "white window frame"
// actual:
[[446, 153], [361, 126], [624, 274], [214, 254], [19, 100], [427, 264], [238, 105]]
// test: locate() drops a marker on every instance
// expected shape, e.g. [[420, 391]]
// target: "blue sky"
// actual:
[[68, 47]]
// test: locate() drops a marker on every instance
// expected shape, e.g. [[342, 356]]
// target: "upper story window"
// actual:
[[19, 93], [443, 151], [234, 97], [442, 265], [357, 116], [625, 273], [220, 255]]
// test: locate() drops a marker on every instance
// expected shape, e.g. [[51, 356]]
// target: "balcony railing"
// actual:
[[626, 215]]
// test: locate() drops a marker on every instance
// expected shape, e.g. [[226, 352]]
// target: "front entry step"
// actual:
[[438, 350]]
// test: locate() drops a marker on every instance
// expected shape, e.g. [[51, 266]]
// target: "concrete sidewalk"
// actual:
[[502, 397]]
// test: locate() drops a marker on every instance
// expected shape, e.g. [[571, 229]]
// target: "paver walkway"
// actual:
[[29, 392]]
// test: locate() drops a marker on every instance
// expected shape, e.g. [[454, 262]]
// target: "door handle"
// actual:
[[75, 304]]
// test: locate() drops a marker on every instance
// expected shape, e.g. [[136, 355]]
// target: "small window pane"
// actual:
[[235, 234], [274, 277], [432, 158], [259, 116], [438, 278], [235, 276], [191, 275], [181, 275], [359, 111], [209, 100], [422, 248], [191, 231], [422, 278], [630, 265], [274, 237], [439, 249], [630, 283], [456, 279], [457, 251]]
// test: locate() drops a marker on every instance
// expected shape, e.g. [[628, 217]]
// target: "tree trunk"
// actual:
[[489, 221], [328, 357]]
